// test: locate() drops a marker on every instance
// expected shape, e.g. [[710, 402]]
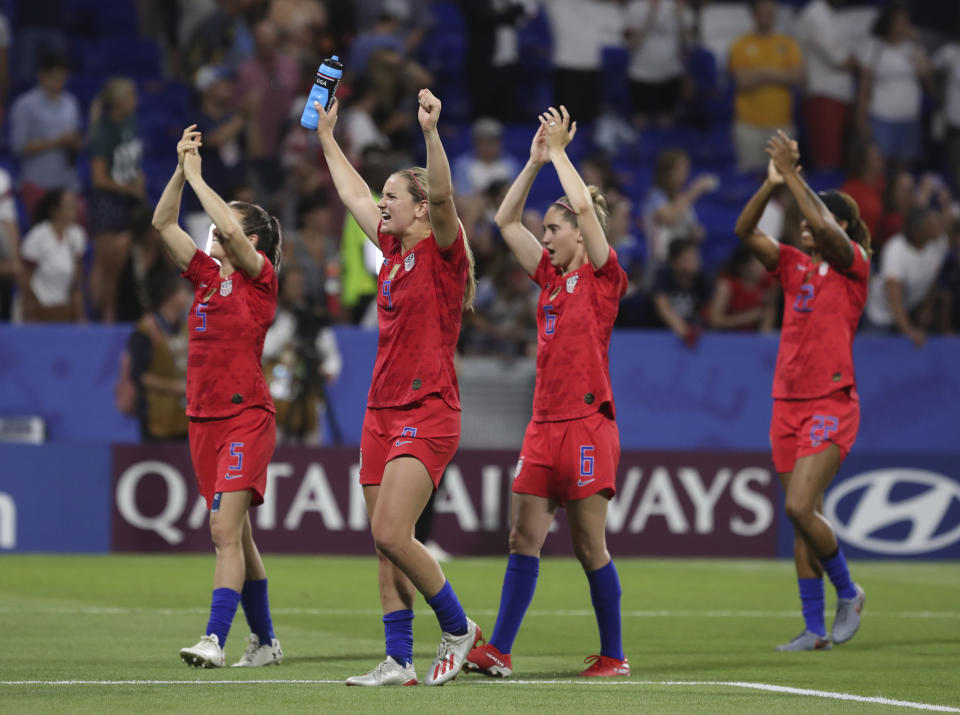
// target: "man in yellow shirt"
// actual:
[[766, 67]]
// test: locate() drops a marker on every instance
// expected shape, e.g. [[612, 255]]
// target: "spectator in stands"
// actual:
[[745, 297], [313, 249], [866, 184], [222, 38], [303, 26], [621, 235], [118, 186], [902, 293], [9, 246], [657, 33], [158, 362], [4, 63], [766, 67], [395, 79], [413, 16], [668, 212], [52, 259], [581, 29], [829, 97], [271, 80], [894, 72], [947, 62], [39, 31], [898, 198], [504, 319], [948, 284], [493, 72], [360, 128], [385, 33], [474, 171], [228, 128], [45, 133], [681, 292], [147, 269], [300, 357]]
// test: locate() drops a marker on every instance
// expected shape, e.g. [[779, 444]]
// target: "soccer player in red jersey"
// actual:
[[816, 410], [232, 425], [412, 424], [571, 447]]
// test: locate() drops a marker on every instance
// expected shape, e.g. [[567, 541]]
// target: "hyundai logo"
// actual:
[[870, 507]]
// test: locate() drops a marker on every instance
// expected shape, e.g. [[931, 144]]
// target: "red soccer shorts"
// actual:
[[568, 460], [803, 427], [232, 454], [428, 431]]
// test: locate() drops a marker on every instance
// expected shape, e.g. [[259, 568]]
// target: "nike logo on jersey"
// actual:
[[585, 482], [232, 476], [400, 443], [801, 267], [203, 285]]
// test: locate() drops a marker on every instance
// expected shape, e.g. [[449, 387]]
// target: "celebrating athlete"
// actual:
[[571, 447], [816, 410], [232, 426], [412, 425]]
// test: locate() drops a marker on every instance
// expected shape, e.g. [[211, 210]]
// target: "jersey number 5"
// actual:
[[203, 317]]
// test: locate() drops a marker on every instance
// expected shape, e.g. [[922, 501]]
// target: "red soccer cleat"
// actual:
[[603, 667], [486, 659]]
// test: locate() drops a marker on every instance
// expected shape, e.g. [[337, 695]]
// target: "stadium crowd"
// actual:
[[675, 100]]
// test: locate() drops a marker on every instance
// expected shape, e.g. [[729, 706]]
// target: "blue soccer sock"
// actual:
[[223, 607], [812, 603], [519, 583], [836, 567], [449, 611], [605, 594], [256, 607], [398, 632]]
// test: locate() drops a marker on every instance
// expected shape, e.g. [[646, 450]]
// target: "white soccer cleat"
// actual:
[[452, 654], [389, 672], [256, 655], [205, 654]]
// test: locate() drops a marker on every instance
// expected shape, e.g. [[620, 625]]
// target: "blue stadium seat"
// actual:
[[444, 49], [132, 56], [616, 86]]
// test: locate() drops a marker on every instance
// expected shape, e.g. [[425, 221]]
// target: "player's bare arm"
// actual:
[[443, 212], [831, 240], [351, 188], [559, 132], [243, 254], [178, 243], [764, 247], [523, 244]]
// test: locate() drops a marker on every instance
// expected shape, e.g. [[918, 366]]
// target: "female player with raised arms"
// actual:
[[572, 446], [816, 410], [412, 425], [232, 425]]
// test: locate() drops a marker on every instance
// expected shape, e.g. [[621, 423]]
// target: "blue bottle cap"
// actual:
[[335, 57]]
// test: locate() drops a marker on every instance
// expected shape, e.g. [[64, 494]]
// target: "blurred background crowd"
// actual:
[[674, 99]]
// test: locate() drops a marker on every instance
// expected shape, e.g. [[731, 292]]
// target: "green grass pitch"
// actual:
[[693, 631]]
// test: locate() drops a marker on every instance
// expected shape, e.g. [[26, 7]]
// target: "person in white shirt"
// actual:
[[52, 255], [657, 33], [901, 294], [475, 171], [830, 82], [947, 62], [894, 72]]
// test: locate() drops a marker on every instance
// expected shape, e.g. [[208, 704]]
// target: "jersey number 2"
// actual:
[[804, 298]]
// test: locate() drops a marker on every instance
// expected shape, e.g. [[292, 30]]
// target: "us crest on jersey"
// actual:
[[572, 282], [408, 262], [226, 287]]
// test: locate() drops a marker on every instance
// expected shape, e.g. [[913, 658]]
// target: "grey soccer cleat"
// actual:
[[847, 621], [808, 640]]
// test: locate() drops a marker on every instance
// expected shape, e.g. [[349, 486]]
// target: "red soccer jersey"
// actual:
[[419, 309], [821, 308], [227, 324], [575, 316]]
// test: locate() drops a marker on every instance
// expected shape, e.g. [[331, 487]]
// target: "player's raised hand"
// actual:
[[191, 162], [190, 141], [429, 111], [539, 154], [326, 121], [557, 128], [773, 176], [783, 151]]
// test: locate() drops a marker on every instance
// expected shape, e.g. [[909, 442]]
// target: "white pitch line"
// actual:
[[577, 613], [766, 687]]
